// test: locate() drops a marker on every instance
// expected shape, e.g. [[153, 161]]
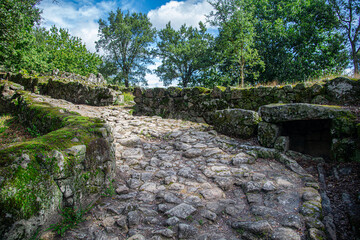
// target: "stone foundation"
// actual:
[[75, 91], [322, 131], [69, 165], [290, 126], [195, 103]]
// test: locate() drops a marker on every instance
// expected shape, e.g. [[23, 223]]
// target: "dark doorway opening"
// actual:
[[309, 136]]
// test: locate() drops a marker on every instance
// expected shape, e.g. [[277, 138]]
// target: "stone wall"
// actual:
[[69, 165], [325, 131], [195, 103], [232, 111], [75, 91]]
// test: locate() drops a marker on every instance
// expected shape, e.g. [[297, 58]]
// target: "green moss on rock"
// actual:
[[236, 122], [69, 164], [267, 134]]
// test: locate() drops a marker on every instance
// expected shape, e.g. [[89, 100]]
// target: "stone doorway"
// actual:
[[311, 137]]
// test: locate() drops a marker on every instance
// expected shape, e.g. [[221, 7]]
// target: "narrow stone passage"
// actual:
[[182, 180]]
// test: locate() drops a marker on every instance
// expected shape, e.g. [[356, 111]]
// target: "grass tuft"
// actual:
[[71, 217]]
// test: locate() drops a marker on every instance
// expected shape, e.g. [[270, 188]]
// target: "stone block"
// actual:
[[236, 122], [268, 133], [282, 143]]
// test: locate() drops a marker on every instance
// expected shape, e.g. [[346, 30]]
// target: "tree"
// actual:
[[125, 40], [69, 53], [348, 14], [295, 39], [17, 17], [183, 54], [237, 39], [298, 40]]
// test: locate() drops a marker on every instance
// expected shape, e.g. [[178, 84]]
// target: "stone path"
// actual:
[[182, 180]]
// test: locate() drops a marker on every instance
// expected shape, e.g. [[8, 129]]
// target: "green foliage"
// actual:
[[17, 17], [295, 40], [34, 132], [5, 121], [298, 40], [236, 42], [109, 190], [71, 217], [125, 39], [24, 46], [128, 97], [184, 54], [348, 14], [65, 52]]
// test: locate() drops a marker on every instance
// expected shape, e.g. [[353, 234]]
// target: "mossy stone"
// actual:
[[268, 133]]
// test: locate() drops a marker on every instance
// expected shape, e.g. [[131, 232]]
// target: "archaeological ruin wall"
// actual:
[[234, 111], [73, 90], [68, 165]]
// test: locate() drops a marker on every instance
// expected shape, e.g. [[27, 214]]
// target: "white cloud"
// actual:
[[152, 79], [190, 12], [80, 19]]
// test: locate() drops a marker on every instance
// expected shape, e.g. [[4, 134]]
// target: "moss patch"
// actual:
[[33, 172]]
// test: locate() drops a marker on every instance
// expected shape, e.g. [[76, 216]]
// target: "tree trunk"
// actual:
[[126, 80], [242, 75], [354, 55], [185, 81], [242, 64], [356, 64]]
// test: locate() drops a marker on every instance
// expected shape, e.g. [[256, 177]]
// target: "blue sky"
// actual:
[[81, 17]]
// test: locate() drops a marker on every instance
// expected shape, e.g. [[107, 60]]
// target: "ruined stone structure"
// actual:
[[175, 179], [196, 103], [233, 111], [69, 165], [323, 131], [73, 90]]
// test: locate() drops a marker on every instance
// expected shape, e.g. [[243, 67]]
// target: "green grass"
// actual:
[[110, 190], [71, 217], [309, 81], [128, 98], [33, 131], [5, 121]]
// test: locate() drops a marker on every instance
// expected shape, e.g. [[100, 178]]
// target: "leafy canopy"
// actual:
[[295, 40], [236, 40], [348, 14], [17, 18], [184, 54], [25, 46], [66, 52], [125, 40]]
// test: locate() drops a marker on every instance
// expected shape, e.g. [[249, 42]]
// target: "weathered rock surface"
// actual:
[[179, 179], [71, 87], [236, 122], [321, 131], [276, 113], [196, 103], [52, 170]]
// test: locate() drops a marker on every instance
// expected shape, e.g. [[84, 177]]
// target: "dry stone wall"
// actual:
[[73, 90], [69, 165], [233, 111], [196, 103]]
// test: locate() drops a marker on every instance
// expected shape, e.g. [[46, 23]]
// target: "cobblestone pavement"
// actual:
[[181, 180]]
